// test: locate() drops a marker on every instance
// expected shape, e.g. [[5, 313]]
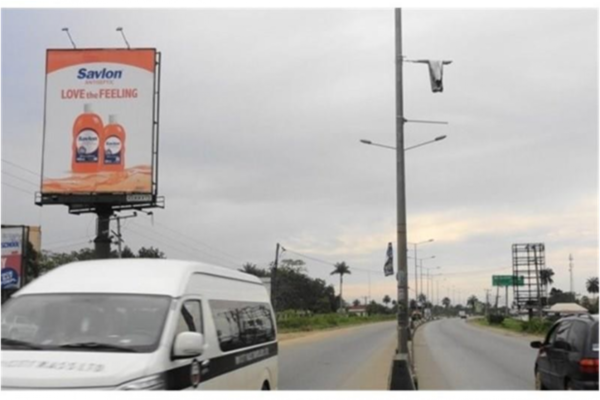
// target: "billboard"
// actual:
[[99, 121], [12, 257], [507, 280]]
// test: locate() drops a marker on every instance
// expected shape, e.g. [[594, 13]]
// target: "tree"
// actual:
[[294, 290], [375, 308], [422, 298], [298, 265], [546, 275], [252, 269], [412, 304], [387, 300], [150, 252], [342, 269], [592, 286], [127, 253], [472, 301], [356, 303], [558, 296], [446, 302]]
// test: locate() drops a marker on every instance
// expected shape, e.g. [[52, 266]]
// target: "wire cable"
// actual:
[[20, 167], [178, 247], [21, 179], [178, 242], [196, 241], [17, 188]]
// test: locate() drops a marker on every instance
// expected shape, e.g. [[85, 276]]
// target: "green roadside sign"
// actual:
[[507, 280]]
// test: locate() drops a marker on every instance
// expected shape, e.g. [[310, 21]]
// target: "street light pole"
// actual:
[[401, 197], [416, 266]]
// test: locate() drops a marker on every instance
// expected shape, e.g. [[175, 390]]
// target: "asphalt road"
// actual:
[[357, 358], [451, 354]]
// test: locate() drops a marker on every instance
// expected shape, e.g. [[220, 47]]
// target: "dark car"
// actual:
[[568, 357]]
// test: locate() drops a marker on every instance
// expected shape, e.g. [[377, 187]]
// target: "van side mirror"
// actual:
[[536, 345], [188, 344]]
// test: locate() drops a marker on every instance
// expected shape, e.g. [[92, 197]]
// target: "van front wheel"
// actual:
[[265, 386]]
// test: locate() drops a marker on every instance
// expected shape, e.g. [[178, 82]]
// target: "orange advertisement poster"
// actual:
[[99, 120]]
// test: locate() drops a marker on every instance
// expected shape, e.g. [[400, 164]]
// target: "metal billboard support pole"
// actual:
[[102, 240]]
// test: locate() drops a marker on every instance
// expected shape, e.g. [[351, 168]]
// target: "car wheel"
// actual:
[[568, 385], [265, 386], [539, 385]]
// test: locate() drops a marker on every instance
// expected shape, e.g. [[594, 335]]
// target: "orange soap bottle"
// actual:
[[87, 131], [113, 146]]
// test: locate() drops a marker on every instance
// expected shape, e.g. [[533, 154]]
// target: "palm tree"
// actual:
[[592, 286], [342, 269], [472, 301], [546, 280], [446, 302], [386, 300]]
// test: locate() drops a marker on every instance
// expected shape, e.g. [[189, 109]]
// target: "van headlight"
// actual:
[[153, 382]]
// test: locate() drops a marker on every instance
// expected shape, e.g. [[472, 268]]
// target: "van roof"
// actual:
[[139, 276]]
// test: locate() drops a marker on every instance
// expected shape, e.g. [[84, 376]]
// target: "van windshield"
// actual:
[[84, 322]]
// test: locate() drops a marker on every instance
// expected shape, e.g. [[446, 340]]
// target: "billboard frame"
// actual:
[[6, 293], [91, 202]]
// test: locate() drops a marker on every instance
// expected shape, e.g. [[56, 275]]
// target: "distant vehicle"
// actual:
[[427, 313], [462, 314], [140, 324], [568, 357]]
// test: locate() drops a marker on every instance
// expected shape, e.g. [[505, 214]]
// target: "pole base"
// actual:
[[402, 377]]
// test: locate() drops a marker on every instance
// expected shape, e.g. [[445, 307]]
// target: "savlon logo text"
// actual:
[[103, 73]]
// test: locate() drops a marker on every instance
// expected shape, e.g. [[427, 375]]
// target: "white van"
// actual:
[[135, 324]]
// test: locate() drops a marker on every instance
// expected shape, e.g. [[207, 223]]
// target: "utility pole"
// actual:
[[421, 284], [119, 239], [537, 280], [487, 300], [416, 271], [118, 233], [571, 273], [369, 275], [274, 276], [497, 296]]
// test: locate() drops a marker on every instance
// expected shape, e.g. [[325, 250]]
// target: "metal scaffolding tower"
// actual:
[[528, 260]]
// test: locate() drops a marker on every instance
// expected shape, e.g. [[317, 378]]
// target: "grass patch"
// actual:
[[326, 321], [536, 326]]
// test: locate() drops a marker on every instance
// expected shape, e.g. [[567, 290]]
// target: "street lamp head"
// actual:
[[430, 240], [437, 139], [366, 141]]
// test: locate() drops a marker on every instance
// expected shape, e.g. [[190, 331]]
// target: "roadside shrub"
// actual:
[[537, 326], [495, 319]]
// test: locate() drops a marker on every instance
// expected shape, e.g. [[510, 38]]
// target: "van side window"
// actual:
[[577, 335], [242, 324], [190, 317], [561, 332]]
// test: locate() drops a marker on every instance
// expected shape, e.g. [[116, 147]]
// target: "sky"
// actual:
[[261, 115]]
